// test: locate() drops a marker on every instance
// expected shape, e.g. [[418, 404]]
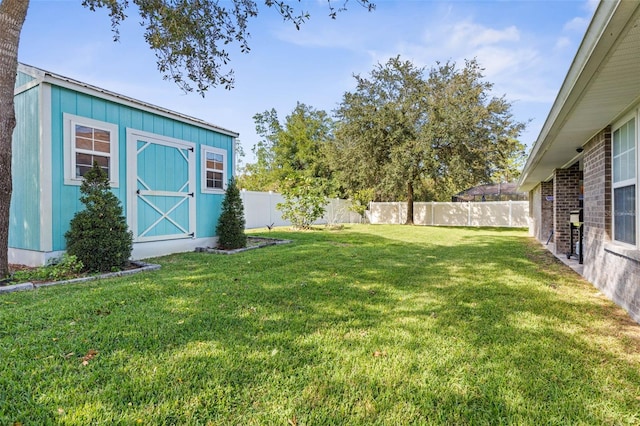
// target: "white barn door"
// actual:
[[161, 187]]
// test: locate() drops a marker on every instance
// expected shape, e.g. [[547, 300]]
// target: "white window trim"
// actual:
[[69, 122], [204, 149], [635, 115]]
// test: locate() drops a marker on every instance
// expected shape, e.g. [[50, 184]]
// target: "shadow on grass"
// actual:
[[381, 325]]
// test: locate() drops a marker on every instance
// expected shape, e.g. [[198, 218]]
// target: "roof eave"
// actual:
[[62, 81]]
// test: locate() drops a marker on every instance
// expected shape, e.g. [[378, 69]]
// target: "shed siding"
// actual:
[[24, 229], [66, 197], [22, 79]]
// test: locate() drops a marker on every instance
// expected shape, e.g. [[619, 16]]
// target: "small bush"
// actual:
[[66, 267], [98, 235], [230, 228], [304, 201]]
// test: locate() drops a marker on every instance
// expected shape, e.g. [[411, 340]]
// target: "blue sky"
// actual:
[[526, 48]]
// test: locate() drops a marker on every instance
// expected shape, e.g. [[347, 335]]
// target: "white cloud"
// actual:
[[562, 43], [578, 24], [471, 34]]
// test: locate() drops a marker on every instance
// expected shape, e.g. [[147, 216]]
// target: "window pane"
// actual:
[[102, 161], [210, 183], [84, 131], [624, 152], [82, 170], [624, 214], [101, 146], [209, 174], [84, 159], [210, 164], [84, 143], [101, 135]]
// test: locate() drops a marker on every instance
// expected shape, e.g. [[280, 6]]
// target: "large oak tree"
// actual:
[[404, 129], [190, 38]]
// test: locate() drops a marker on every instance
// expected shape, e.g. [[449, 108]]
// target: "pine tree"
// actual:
[[98, 235], [230, 228]]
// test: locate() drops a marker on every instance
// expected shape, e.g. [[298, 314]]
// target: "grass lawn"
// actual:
[[367, 325]]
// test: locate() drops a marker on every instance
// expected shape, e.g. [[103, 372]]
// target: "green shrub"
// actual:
[[67, 266], [304, 201], [230, 228], [98, 235], [360, 202]]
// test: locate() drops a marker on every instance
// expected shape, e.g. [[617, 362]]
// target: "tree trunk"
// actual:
[[12, 16], [409, 204]]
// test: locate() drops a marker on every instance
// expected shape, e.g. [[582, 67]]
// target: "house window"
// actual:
[[88, 141], [624, 183], [214, 170]]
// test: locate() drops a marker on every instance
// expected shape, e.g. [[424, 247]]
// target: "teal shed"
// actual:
[[169, 170]]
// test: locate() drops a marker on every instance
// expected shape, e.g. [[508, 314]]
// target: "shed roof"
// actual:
[[41, 75], [506, 188]]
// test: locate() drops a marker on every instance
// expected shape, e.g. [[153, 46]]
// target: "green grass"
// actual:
[[367, 325]]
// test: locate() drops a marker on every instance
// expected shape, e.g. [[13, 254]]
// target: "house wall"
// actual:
[[566, 193], [611, 268], [66, 197], [24, 218], [547, 205]]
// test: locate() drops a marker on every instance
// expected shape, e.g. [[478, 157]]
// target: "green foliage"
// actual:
[[298, 146], [191, 38], [360, 201], [304, 201], [405, 131], [230, 228], [68, 266], [98, 235]]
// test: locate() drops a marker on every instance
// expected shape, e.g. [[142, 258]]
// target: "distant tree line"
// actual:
[[404, 134]]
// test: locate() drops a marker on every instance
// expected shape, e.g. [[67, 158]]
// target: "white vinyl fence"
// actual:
[[491, 213], [260, 211]]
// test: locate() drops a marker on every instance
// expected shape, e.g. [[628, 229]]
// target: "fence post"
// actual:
[[270, 208], [469, 213], [510, 213], [432, 212]]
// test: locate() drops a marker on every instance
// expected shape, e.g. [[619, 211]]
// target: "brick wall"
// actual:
[[615, 271], [546, 222], [566, 191], [597, 187]]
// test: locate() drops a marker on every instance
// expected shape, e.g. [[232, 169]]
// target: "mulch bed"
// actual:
[[252, 243]]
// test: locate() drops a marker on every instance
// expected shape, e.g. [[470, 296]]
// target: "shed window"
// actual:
[[624, 182], [89, 141], [214, 170]]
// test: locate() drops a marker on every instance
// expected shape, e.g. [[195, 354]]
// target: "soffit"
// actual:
[[606, 87]]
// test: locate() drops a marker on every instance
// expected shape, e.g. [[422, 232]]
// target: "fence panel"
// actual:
[[490, 213], [260, 210]]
